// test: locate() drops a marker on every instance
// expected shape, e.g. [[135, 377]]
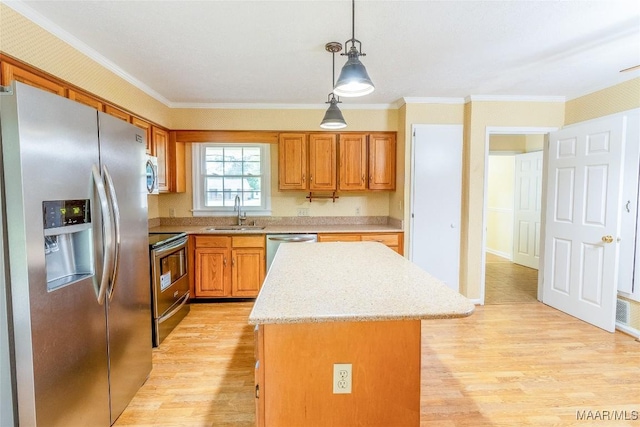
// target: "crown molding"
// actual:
[[514, 98], [26, 11], [258, 106], [431, 100]]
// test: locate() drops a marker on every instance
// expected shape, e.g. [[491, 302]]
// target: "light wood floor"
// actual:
[[509, 283], [506, 365]]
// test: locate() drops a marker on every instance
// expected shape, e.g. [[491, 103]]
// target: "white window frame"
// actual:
[[198, 166]]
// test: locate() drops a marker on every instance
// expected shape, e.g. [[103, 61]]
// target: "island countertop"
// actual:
[[351, 282]]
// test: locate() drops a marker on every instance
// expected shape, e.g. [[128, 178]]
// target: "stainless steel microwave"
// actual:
[[151, 170]]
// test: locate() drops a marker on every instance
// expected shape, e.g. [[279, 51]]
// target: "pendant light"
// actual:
[[333, 118], [353, 79]]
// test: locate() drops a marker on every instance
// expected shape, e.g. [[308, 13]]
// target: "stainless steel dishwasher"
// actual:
[[274, 240]]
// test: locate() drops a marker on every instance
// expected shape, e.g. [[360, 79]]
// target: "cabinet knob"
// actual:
[[310, 178], [362, 177], [225, 261], [233, 262], [303, 178], [370, 178]]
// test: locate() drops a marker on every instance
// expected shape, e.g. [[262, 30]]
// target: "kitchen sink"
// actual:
[[234, 227]]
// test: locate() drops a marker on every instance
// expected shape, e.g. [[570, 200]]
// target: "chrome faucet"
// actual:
[[236, 207]]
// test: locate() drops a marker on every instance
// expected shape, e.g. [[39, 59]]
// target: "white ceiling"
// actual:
[[272, 52]]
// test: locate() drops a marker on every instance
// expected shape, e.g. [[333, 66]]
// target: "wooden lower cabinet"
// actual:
[[229, 266], [394, 241]]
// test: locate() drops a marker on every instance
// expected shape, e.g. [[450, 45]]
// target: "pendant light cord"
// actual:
[[353, 22]]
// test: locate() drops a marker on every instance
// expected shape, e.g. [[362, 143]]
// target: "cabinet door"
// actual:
[[322, 162], [116, 112], [85, 99], [382, 161], [353, 162], [212, 272], [147, 127], [160, 143], [11, 72], [292, 161], [247, 271]]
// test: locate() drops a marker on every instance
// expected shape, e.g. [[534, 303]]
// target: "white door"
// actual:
[[527, 208], [436, 201], [582, 219]]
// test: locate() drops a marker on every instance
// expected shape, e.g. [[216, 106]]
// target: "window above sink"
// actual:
[[222, 171]]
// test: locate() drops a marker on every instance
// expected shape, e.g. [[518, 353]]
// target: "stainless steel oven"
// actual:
[[169, 282]]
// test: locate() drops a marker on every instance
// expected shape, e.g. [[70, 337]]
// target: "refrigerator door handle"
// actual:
[[115, 209], [106, 235]]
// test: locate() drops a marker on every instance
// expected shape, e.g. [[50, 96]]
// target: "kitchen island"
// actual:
[[359, 304]]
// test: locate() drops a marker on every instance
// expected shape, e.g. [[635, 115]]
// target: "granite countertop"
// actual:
[[363, 281], [279, 229]]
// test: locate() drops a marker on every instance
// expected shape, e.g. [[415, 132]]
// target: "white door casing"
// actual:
[[527, 208], [629, 251], [582, 219], [436, 197]]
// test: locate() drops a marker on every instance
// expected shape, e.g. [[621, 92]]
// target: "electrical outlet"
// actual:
[[342, 378], [172, 213], [358, 210], [303, 211]]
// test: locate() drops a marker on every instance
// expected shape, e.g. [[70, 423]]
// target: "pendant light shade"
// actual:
[[333, 118], [354, 79]]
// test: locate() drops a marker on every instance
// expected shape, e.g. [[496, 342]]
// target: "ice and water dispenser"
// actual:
[[68, 243]]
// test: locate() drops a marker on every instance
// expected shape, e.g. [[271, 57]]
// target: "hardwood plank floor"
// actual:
[[506, 365], [509, 283]]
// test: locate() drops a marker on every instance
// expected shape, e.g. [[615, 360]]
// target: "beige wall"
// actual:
[[500, 193], [280, 119], [621, 97]]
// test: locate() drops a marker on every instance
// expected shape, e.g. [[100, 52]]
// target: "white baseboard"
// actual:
[[628, 330], [500, 253]]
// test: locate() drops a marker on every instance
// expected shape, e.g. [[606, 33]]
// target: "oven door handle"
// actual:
[[170, 247], [164, 317]]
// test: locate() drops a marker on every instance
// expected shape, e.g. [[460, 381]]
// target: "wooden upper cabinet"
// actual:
[[160, 142], [322, 162], [353, 162], [10, 73], [382, 161], [85, 99], [292, 161], [116, 112], [147, 127]]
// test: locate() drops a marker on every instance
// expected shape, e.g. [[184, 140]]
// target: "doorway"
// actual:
[[506, 279]]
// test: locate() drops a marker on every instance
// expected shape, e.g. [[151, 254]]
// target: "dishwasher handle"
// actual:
[[293, 239]]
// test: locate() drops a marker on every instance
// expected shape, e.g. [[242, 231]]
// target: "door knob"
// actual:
[[607, 239]]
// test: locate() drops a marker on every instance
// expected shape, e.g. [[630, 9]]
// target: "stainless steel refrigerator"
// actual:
[[76, 259]]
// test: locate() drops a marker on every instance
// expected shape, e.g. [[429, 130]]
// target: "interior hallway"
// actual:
[[513, 364], [509, 283]]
